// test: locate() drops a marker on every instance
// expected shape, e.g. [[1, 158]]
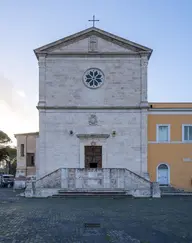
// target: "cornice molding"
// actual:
[[92, 135], [169, 109], [92, 107], [95, 54]]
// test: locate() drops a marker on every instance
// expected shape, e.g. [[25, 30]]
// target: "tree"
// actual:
[[4, 138], [7, 153], [13, 167]]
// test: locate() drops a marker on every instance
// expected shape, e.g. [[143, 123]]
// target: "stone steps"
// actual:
[[90, 195], [172, 191], [176, 194], [92, 191], [95, 193]]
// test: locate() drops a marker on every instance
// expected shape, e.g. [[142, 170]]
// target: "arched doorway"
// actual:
[[163, 174]]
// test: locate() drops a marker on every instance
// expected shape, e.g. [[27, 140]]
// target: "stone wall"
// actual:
[[127, 149], [52, 180], [93, 180], [29, 142], [61, 86], [137, 185], [64, 85], [73, 179]]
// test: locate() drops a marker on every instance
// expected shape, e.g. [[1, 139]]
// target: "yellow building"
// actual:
[[170, 144]]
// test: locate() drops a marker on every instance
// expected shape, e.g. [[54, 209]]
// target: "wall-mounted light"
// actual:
[[113, 133]]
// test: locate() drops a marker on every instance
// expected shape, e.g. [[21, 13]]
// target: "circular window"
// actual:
[[93, 78]]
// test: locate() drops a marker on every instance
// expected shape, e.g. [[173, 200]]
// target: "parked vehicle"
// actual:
[[6, 180]]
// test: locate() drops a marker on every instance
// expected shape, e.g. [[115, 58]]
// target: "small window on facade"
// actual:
[[30, 159], [22, 150], [163, 167], [163, 133], [187, 132]]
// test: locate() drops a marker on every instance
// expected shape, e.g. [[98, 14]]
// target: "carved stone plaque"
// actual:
[[93, 120], [93, 44]]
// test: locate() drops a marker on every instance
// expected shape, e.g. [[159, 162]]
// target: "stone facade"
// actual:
[[64, 86], [65, 103], [28, 141], [120, 151], [111, 114], [26, 159]]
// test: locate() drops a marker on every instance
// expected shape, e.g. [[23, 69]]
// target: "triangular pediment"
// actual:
[[90, 44], [92, 40]]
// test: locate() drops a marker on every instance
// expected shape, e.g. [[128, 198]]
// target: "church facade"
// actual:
[[92, 92], [93, 107]]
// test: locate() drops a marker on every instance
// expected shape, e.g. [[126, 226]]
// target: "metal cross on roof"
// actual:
[[93, 20]]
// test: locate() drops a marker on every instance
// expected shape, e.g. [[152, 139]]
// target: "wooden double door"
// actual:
[[93, 156]]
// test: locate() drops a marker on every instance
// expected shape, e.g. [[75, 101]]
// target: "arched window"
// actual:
[[163, 167]]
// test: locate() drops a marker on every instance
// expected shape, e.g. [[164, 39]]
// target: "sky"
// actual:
[[164, 26]]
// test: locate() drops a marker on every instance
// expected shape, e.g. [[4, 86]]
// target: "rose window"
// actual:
[[93, 78]]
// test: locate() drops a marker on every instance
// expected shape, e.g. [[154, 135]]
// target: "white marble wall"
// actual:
[[59, 149]]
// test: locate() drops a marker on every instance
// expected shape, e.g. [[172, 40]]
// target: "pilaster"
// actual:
[[144, 141], [42, 143], [144, 66], [42, 80]]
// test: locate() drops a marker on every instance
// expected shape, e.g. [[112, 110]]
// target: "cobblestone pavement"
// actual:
[[166, 220]]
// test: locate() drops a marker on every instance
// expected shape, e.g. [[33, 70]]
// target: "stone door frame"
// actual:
[[89, 140]]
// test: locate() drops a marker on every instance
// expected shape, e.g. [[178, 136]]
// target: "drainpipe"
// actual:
[[141, 85], [26, 154]]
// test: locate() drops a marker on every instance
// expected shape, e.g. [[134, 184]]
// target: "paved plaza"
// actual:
[[166, 220]]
